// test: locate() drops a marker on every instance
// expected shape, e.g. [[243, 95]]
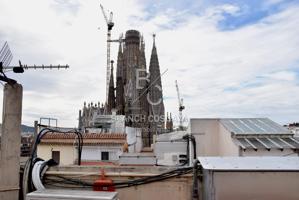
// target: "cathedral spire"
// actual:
[[111, 94], [120, 104], [155, 91], [119, 67]]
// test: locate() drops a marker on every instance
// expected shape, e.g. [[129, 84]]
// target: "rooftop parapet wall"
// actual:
[[175, 188]]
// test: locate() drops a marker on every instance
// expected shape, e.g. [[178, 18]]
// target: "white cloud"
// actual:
[[282, 76], [204, 59]]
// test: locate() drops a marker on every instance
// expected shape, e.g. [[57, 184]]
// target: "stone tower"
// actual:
[[138, 93], [131, 54], [156, 104]]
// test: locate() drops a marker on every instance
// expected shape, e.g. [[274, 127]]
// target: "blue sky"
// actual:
[[249, 12], [231, 58]]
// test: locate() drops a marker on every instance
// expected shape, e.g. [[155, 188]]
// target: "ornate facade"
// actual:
[[138, 93]]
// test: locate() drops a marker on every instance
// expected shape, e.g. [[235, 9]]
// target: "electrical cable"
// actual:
[[32, 176], [39, 168], [36, 171], [118, 185], [195, 190], [27, 182]]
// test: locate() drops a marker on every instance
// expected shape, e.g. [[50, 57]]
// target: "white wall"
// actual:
[[213, 139], [93, 153], [134, 139], [67, 153], [206, 135], [226, 145], [251, 185]]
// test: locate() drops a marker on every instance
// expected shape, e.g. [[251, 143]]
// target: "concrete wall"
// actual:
[[226, 145], [10, 142], [173, 189], [260, 185], [134, 139], [68, 154], [212, 139], [206, 134], [93, 153]]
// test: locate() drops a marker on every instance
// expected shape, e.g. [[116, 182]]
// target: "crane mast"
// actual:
[[181, 106], [110, 25]]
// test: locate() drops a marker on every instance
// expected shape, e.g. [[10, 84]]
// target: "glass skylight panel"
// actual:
[[256, 143], [244, 143], [292, 142], [281, 143], [253, 126]]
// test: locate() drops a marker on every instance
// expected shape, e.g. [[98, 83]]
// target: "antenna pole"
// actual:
[[38, 67]]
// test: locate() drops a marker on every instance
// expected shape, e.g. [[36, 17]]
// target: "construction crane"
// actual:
[[181, 106], [110, 25]]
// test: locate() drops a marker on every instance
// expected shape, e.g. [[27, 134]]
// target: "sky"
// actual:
[[232, 58]]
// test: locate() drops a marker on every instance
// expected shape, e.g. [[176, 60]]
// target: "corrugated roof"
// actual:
[[250, 163], [267, 142], [85, 136], [253, 126]]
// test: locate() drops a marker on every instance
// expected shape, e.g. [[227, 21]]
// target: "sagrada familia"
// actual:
[[138, 92]]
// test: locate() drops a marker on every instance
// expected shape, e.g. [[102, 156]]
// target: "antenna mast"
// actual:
[[110, 25], [5, 59]]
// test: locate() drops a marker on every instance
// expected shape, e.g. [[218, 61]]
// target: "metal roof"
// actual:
[[250, 163], [253, 126], [267, 142]]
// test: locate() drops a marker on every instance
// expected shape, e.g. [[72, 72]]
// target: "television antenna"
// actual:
[[6, 58]]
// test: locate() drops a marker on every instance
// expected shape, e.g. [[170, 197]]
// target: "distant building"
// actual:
[[294, 128], [98, 147], [137, 94], [26, 144], [242, 137], [95, 120]]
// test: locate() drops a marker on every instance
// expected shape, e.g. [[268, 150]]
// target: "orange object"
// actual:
[[103, 184], [126, 147]]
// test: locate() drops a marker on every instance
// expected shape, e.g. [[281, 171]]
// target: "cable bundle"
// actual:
[[60, 181], [45, 131], [35, 166]]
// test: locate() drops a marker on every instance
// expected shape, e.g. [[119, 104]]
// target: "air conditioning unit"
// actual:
[[172, 159], [59, 194]]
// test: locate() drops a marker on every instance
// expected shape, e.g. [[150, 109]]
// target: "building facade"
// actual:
[[242, 137], [103, 147]]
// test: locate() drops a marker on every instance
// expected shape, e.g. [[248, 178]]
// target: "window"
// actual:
[[56, 156], [105, 155]]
